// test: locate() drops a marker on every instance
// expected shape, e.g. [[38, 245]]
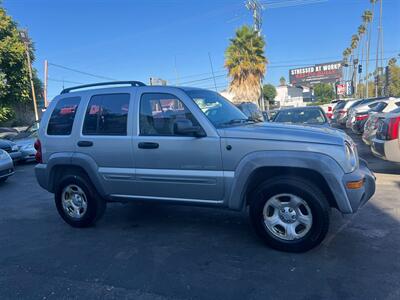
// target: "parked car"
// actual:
[[340, 111], [7, 131], [192, 146], [331, 109], [371, 125], [386, 143], [363, 107], [309, 115], [11, 148], [6, 166], [25, 133], [252, 111], [26, 147]]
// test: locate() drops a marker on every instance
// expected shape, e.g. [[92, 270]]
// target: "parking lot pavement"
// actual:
[[154, 251]]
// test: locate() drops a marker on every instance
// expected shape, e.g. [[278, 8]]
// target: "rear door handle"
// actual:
[[148, 145], [85, 144]]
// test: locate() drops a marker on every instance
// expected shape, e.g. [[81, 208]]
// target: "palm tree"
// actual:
[[353, 45], [367, 19], [361, 32], [346, 54], [246, 64]]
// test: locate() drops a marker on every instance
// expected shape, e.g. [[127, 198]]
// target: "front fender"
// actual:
[[323, 164]]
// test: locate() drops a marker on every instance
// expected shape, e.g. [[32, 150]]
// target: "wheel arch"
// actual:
[[317, 167]]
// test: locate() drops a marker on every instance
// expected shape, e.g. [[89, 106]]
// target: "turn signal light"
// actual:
[[354, 185]]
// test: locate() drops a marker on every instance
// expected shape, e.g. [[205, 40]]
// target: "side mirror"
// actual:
[[186, 127]]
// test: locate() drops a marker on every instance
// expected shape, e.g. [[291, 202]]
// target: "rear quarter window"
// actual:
[[63, 115]]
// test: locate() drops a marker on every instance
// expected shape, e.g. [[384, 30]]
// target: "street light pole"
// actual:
[[24, 37]]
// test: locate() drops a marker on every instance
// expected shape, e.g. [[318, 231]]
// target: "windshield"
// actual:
[[218, 110], [302, 116]]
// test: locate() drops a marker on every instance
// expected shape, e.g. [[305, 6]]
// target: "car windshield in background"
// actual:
[[301, 116], [218, 110]]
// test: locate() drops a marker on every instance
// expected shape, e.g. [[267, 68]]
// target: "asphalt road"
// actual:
[[154, 251]]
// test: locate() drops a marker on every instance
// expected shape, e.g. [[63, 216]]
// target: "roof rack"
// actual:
[[132, 83]]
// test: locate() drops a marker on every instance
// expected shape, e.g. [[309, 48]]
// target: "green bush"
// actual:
[[6, 114]]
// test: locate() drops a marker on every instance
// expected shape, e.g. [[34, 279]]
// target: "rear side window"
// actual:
[[62, 117], [107, 115]]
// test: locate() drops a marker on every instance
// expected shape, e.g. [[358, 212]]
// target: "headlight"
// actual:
[[14, 148], [351, 155]]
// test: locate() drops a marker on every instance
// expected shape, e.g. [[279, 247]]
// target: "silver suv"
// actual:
[[192, 146]]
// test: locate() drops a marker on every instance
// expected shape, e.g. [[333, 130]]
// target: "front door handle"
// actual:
[[148, 145], [85, 144]]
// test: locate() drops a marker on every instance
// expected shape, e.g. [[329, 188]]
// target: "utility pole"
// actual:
[[46, 67], [176, 71], [212, 71], [379, 46], [256, 8], [24, 38]]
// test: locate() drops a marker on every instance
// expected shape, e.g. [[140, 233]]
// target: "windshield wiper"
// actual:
[[237, 121]]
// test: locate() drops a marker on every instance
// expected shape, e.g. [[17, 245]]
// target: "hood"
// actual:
[[286, 132], [25, 142]]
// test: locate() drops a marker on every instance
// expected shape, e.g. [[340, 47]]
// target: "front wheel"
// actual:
[[78, 202], [290, 214]]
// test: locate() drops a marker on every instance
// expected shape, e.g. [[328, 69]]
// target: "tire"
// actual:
[[313, 202], [3, 179], [95, 205]]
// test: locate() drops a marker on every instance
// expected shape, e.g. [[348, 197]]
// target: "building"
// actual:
[[289, 96]]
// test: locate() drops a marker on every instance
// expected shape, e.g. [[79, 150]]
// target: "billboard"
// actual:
[[308, 76]]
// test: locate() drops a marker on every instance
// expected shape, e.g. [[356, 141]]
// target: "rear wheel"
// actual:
[[78, 202], [290, 214]]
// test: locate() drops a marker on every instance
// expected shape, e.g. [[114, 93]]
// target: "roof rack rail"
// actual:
[[132, 83]]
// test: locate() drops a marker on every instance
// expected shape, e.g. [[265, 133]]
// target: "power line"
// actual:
[[290, 3], [64, 81], [81, 72]]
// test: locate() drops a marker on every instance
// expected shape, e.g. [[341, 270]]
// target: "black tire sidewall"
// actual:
[[93, 201], [308, 192]]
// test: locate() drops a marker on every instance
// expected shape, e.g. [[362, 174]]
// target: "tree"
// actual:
[[394, 81], [324, 92], [367, 19], [246, 64], [282, 81], [269, 92], [14, 79]]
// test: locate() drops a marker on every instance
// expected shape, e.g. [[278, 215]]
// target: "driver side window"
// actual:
[[159, 112]]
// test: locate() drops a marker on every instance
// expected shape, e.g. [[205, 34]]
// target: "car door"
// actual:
[[171, 166], [105, 136]]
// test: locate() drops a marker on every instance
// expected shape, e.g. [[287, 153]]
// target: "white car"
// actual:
[[368, 104], [386, 143], [6, 166], [340, 111]]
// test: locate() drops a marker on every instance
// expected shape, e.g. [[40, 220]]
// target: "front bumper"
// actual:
[[6, 168], [28, 154], [16, 155], [358, 197]]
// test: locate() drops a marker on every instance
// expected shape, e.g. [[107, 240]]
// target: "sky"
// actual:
[[175, 39]]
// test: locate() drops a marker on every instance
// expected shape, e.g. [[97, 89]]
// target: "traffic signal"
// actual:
[[359, 69]]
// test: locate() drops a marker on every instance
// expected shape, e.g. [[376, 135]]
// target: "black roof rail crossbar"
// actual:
[[132, 83]]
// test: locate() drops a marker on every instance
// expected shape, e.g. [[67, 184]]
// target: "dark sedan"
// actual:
[[310, 115]]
